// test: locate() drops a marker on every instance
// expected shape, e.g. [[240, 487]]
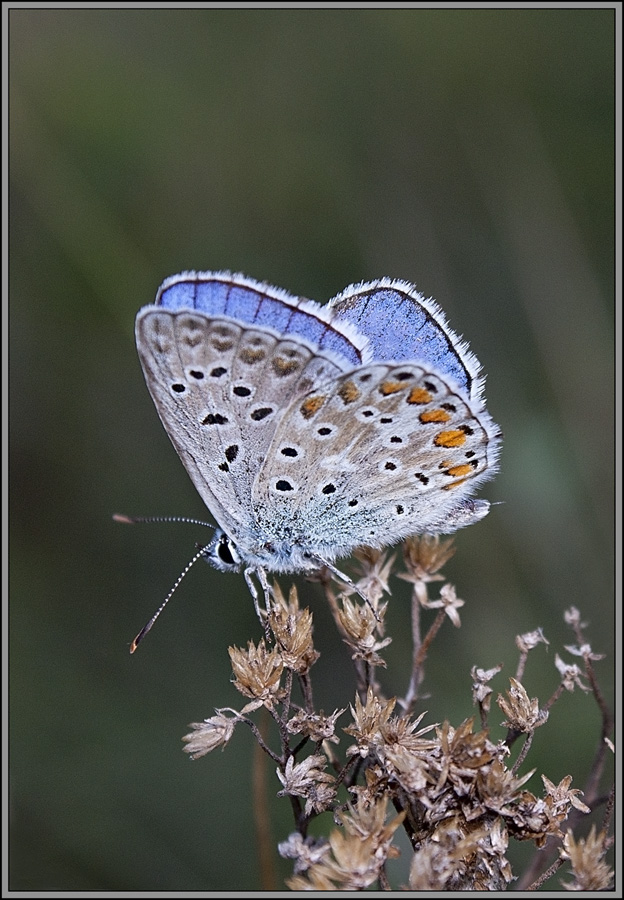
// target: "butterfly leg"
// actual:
[[263, 614], [346, 580]]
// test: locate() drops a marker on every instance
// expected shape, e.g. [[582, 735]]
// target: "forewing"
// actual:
[[220, 389]]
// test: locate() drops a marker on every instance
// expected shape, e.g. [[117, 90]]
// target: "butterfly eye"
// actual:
[[227, 552], [222, 553]]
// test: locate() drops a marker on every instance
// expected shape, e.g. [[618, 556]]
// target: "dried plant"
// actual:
[[451, 788]]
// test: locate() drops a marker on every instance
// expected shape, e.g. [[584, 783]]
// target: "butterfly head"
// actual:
[[221, 553]]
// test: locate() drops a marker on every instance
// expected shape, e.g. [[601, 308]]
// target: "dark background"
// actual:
[[469, 151]]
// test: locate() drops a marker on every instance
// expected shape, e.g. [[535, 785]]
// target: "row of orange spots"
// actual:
[[454, 438]]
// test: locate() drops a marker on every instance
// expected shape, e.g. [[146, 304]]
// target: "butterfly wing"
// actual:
[[297, 442], [220, 388], [379, 453], [403, 324]]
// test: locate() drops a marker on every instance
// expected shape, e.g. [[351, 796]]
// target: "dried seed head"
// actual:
[[309, 780], [317, 727], [570, 675], [359, 624], [523, 715], [257, 673], [376, 567], [368, 719], [531, 639], [292, 628], [424, 556], [586, 856], [209, 734], [481, 691], [449, 602]]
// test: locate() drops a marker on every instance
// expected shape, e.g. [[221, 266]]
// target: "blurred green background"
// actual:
[[467, 150]]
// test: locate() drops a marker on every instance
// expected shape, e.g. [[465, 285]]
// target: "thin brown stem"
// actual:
[[521, 665], [306, 689], [523, 753], [553, 699], [483, 713], [412, 690], [265, 747], [608, 813], [592, 784], [550, 871], [384, 884], [418, 662]]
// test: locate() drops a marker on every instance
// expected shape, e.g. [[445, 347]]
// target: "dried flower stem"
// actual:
[[351, 767], [286, 704], [554, 697], [417, 674], [607, 718], [483, 715], [608, 813], [259, 739], [384, 884], [595, 774], [544, 876], [523, 753], [420, 654], [305, 683], [524, 655], [593, 781]]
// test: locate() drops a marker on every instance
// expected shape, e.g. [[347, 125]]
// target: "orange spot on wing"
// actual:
[[419, 395], [348, 393], [457, 471], [454, 484], [390, 387], [452, 438], [311, 406], [434, 415], [282, 366]]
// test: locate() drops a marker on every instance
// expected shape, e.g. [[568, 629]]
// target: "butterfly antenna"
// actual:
[[136, 520], [135, 643]]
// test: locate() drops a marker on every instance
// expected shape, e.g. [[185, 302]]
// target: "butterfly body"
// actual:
[[309, 431]]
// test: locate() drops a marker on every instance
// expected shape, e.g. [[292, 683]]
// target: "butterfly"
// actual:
[[312, 430]]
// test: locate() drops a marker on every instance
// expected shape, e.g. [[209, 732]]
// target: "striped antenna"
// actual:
[[134, 520]]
